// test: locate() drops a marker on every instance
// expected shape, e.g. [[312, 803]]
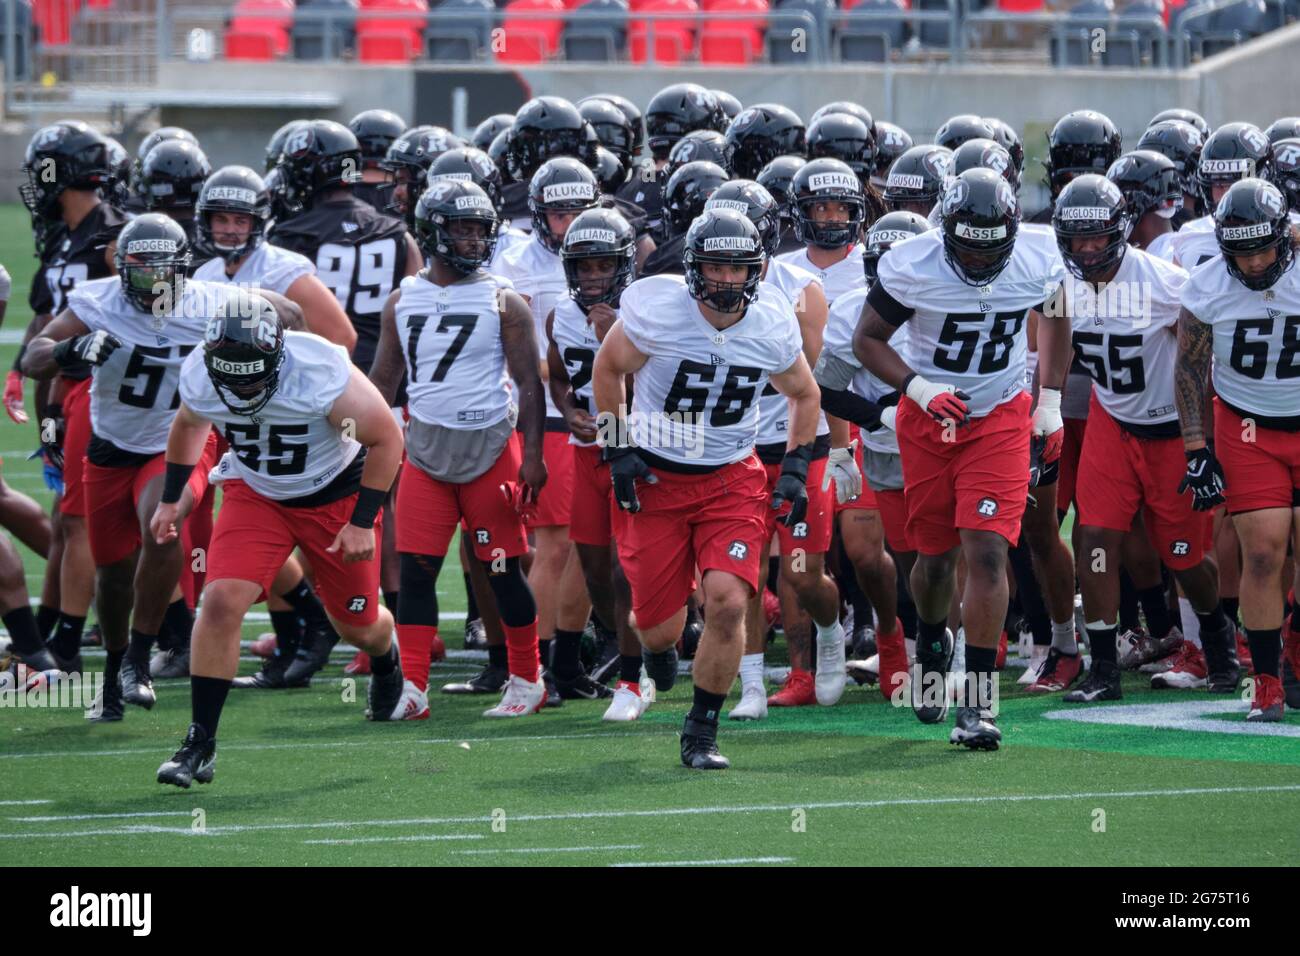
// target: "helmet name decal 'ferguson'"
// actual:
[[905, 181]]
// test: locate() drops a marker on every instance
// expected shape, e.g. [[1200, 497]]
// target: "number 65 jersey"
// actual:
[[969, 336], [289, 449]]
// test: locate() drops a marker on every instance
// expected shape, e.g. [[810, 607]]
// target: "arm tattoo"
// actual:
[[1192, 375]]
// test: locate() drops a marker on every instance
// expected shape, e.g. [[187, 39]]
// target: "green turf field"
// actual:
[[302, 778]]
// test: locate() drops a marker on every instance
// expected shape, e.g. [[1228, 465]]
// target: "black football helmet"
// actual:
[[677, 110], [66, 155], [450, 201], [610, 173], [986, 153], [546, 127], [753, 202], [1091, 206], [723, 236], [1251, 218], [153, 260], [118, 190], [235, 189], [375, 130], [1149, 182], [611, 125], [499, 153], [1288, 127], [699, 146], [562, 184], [1008, 139], [1191, 118], [468, 164], [1084, 141], [981, 217], [282, 207], [599, 234], [243, 351], [630, 110], [161, 135], [760, 134], [962, 127], [844, 137], [275, 145], [827, 181], [318, 156], [172, 175], [688, 189], [1182, 143], [776, 178], [409, 159], [1233, 151], [730, 105], [1286, 170], [891, 142], [890, 228], [487, 130], [917, 179], [844, 107]]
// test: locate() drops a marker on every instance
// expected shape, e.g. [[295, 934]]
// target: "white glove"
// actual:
[[1047, 425], [888, 417], [843, 467], [941, 402]]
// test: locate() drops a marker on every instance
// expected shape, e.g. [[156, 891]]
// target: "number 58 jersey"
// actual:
[[289, 449]]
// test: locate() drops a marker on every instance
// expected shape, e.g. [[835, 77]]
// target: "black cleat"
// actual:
[[1102, 683], [661, 667], [70, 665], [605, 667], [864, 643], [929, 679], [581, 687], [108, 706], [475, 635], [1290, 685], [700, 745], [1223, 671], [692, 631], [196, 760], [92, 637], [173, 662], [488, 681], [312, 654], [553, 698], [137, 685], [976, 728], [383, 693], [270, 677], [39, 660]]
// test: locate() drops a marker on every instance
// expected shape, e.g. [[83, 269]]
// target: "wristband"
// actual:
[[1049, 398], [366, 510], [64, 353], [797, 460], [175, 479], [18, 359]]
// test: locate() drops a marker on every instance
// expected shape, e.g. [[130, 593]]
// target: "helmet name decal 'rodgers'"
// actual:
[[136, 246]]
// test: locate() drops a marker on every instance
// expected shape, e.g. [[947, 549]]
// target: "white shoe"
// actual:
[[777, 676], [830, 667], [752, 706], [1036, 659], [627, 704], [412, 705], [521, 698]]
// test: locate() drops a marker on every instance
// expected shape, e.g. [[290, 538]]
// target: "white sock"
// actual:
[[1191, 624], [1063, 637], [911, 648], [751, 671], [830, 634]]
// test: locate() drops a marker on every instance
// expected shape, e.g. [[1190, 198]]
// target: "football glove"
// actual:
[[1047, 424], [791, 486], [93, 348], [1205, 479], [625, 468], [14, 397], [941, 402], [842, 467]]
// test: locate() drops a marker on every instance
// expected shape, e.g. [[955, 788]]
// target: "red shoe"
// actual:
[[264, 646], [1058, 672], [892, 655], [359, 665], [1269, 700], [1243, 652], [1189, 670], [1001, 661], [437, 649], [771, 608], [798, 691], [1290, 645]]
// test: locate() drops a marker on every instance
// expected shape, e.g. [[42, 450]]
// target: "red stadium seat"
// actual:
[[736, 41], [674, 40], [256, 44], [531, 39], [1020, 6], [99, 4], [53, 18], [252, 22], [391, 39]]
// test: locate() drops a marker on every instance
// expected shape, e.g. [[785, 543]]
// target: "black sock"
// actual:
[[381, 665], [1155, 609], [1215, 632], [1265, 649], [497, 656], [113, 666], [67, 636], [390, 600], [141, 645], [568, 646], [1295, 616], [707, 705], [1128, 603], [629, 668], [21, 624], [1231, 606], [906, 607], [773, 572], [288, 633], [544, 652], [1101, 642], [46, 618], [928, 634], [207, 697], [471, 603], [305, 603], [981, 673], [180, 621]]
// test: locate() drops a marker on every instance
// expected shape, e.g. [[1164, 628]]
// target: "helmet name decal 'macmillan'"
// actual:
[[729, 244]]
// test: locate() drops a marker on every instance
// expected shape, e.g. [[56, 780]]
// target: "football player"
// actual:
[[967, 290], [700, 349], [171, 176], [1083, 141], [545, 128], [376, 131], [1181, 144], [1153, 194], [915, 181], [408, 161], [684, 198], [461, 333], [759, 134], [846, 138], [313, 452], [1232, 152], [776, 177]]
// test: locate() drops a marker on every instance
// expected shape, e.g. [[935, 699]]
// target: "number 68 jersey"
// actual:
[[289, 449]]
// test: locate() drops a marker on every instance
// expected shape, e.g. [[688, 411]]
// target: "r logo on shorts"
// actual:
[[800, 530], [987, 507], [482, 536], [1179, 548], [357, 604], [738, 550]]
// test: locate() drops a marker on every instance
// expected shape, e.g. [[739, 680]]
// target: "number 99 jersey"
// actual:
[[695, 401], [289, 449], [969, 336]]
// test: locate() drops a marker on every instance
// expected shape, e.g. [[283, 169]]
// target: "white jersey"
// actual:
[[845, 276], [575, 340], [134, 395], [1162, 246], [1195, 243], [455, 362], [507, 239], [1256, 338], [289, 449], [267, 267], [969, 336], [694, 398], [773, 407], [538, 274], [1126, 336], [840, 326]]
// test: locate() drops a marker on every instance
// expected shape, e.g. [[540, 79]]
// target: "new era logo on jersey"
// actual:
[[482, 536], [738, 550], [729, 244], [987, 507], [965, 231], [350, 226], [819, 181], [559, 192], [138, 246], [357, 604], [1179, 548], [232, 194], [717, 359]]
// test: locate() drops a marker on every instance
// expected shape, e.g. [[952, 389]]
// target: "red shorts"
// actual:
[[813, 534], [76, 436], [594, 515], [979, 480], [893, 517], [1120, 473], [867, 500], [714, 521], [428, 510], [113, 497], [1067, 485], [1261, 473], [254, 536], [557, 494]]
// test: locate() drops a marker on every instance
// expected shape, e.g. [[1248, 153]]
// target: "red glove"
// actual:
[[943, 403], [14, 397]]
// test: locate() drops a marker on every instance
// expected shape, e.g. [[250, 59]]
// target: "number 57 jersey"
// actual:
[[289, 449]]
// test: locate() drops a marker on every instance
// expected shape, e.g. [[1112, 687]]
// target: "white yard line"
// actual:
[[23, 803], [418, 838], [556, 849], [736, 861]]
